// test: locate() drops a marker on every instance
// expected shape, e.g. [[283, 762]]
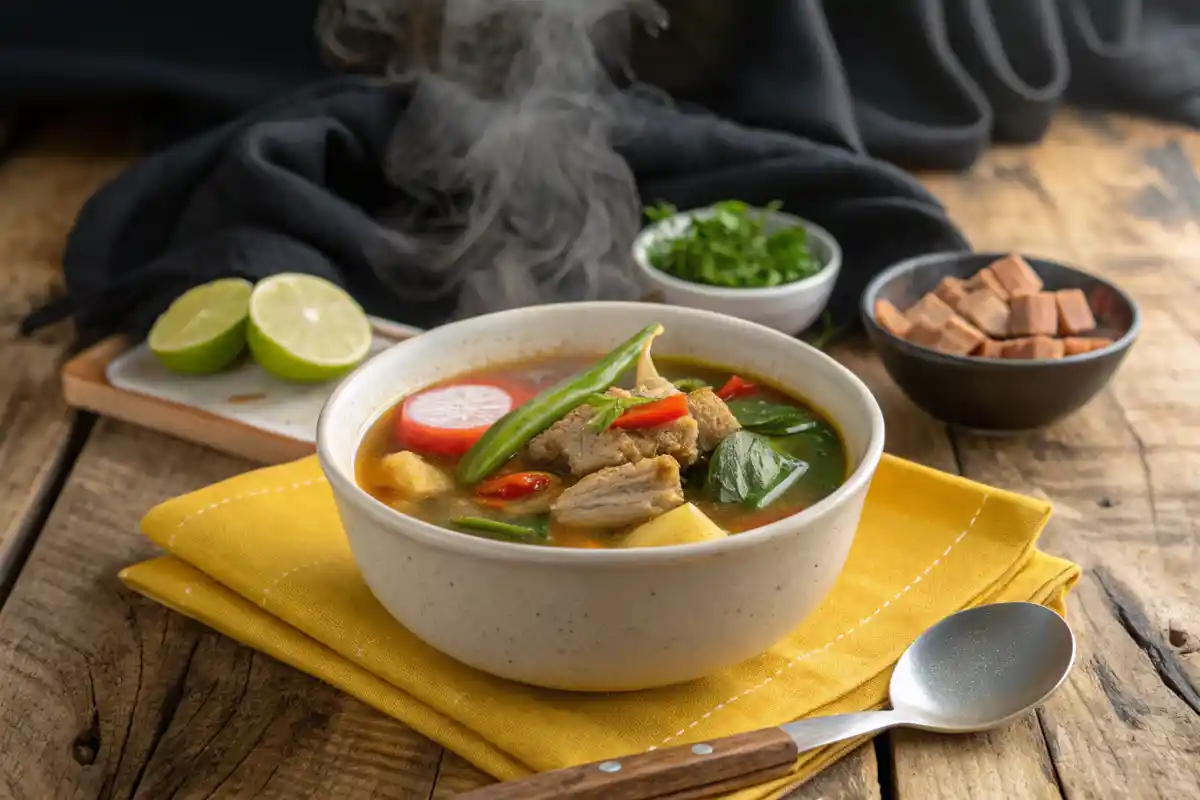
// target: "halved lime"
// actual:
[[204, 329], [304, 328]]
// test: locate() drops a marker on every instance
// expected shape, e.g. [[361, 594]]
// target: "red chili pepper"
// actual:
[[651, 415], [515, 485], [736, 387]]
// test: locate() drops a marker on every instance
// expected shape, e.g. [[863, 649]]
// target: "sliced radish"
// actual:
[[447, 420]]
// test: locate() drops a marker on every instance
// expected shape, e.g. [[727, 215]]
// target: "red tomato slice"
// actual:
[[736, 387], [447, 420], [651, 415]]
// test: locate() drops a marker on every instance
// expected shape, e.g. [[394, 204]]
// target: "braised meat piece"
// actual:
[[570, 443], [624, 495], [713, 418]]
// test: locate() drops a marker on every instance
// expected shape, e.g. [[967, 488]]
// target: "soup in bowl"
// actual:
[[600, 496]]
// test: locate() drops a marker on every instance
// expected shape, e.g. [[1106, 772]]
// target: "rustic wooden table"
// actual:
[[104, 694]]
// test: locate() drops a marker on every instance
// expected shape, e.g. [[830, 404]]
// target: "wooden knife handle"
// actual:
[[716, 764]]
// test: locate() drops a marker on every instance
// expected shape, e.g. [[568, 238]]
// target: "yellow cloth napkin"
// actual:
[[263, 559]]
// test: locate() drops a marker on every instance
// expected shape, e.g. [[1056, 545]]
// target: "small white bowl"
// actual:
[[789, 308], [599, 620]]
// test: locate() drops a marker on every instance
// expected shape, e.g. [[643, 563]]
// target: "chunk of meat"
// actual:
[[1016, 276], [624, 495], [713, 417], [959, 337], [930, 310], [1034, 347], [570, 443], [891, 319], [1033, 315], [952, 291], [986, 279], [1074, 314], [987, 311]]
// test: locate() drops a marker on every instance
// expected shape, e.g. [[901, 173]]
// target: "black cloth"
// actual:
[[802, 101]]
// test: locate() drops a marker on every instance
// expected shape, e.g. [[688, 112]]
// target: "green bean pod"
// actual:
[[513, 431]]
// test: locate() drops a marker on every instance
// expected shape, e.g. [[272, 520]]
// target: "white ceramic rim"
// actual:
[[828, 271], [456, 541]]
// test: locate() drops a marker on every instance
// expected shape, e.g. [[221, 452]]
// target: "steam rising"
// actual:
[[515, 194]]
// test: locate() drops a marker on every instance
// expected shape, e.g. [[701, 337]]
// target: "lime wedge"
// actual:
[[305, 329], [204, 329]]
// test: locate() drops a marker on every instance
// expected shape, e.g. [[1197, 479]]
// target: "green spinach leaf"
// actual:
[[748, 471], [772, 419]]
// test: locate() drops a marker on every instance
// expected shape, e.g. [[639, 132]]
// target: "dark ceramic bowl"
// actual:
[[989, 394]]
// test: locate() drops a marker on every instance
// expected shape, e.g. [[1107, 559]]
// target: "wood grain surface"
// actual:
[[41, 188], [104, 694]]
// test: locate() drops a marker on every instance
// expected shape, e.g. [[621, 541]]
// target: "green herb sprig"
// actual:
[[608, 408], [732, 249]]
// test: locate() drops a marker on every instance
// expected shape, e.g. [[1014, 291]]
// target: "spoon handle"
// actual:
[[816, 731], [695, 771]]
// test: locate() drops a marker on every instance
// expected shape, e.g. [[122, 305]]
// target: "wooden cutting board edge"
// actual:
[[85, 386]]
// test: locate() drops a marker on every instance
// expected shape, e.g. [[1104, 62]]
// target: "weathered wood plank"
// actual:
[[1011, 762], [106, 694], [41, 188]]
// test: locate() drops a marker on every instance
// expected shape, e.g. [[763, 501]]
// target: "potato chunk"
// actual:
[[683, 525], [413, 477]]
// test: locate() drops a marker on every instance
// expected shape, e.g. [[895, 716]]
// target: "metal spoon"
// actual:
[[973, 671]]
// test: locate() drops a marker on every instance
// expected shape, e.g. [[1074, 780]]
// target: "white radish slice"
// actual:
[[462, 407]]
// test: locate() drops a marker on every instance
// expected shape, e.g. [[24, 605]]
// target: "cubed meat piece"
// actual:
[[414, 478], [924, 334], [891, 319], [1074, 345], [1033, 315], [1034, 347], [991, 348], [713, 418], [1016, 276], [1074, 314], [986, 279], [624, 495], [931, 310], [951, 291], [959, 337], [569, 443], [987, 311]]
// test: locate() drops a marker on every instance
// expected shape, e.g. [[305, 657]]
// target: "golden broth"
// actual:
[[821, 448]]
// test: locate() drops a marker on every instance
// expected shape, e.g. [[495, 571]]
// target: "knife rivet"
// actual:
[[610, 766], [702, 749]]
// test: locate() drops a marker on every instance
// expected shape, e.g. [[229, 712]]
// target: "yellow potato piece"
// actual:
[[413, 477], [683, 525]]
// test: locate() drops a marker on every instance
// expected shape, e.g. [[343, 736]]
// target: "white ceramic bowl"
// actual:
[[789, 308], [603, 620]]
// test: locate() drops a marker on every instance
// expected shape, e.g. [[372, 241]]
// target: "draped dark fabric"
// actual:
[[271, 163]]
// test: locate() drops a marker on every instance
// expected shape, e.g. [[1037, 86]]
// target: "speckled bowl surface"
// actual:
[[608, 620], [998, 395]]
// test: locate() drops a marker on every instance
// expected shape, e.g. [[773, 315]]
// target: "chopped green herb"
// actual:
[[771, 419], [747, 470], [731, 248], [535, 530], [690, 384], [608, 408]]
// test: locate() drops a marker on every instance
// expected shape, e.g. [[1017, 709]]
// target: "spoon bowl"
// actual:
[[982, 667]]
